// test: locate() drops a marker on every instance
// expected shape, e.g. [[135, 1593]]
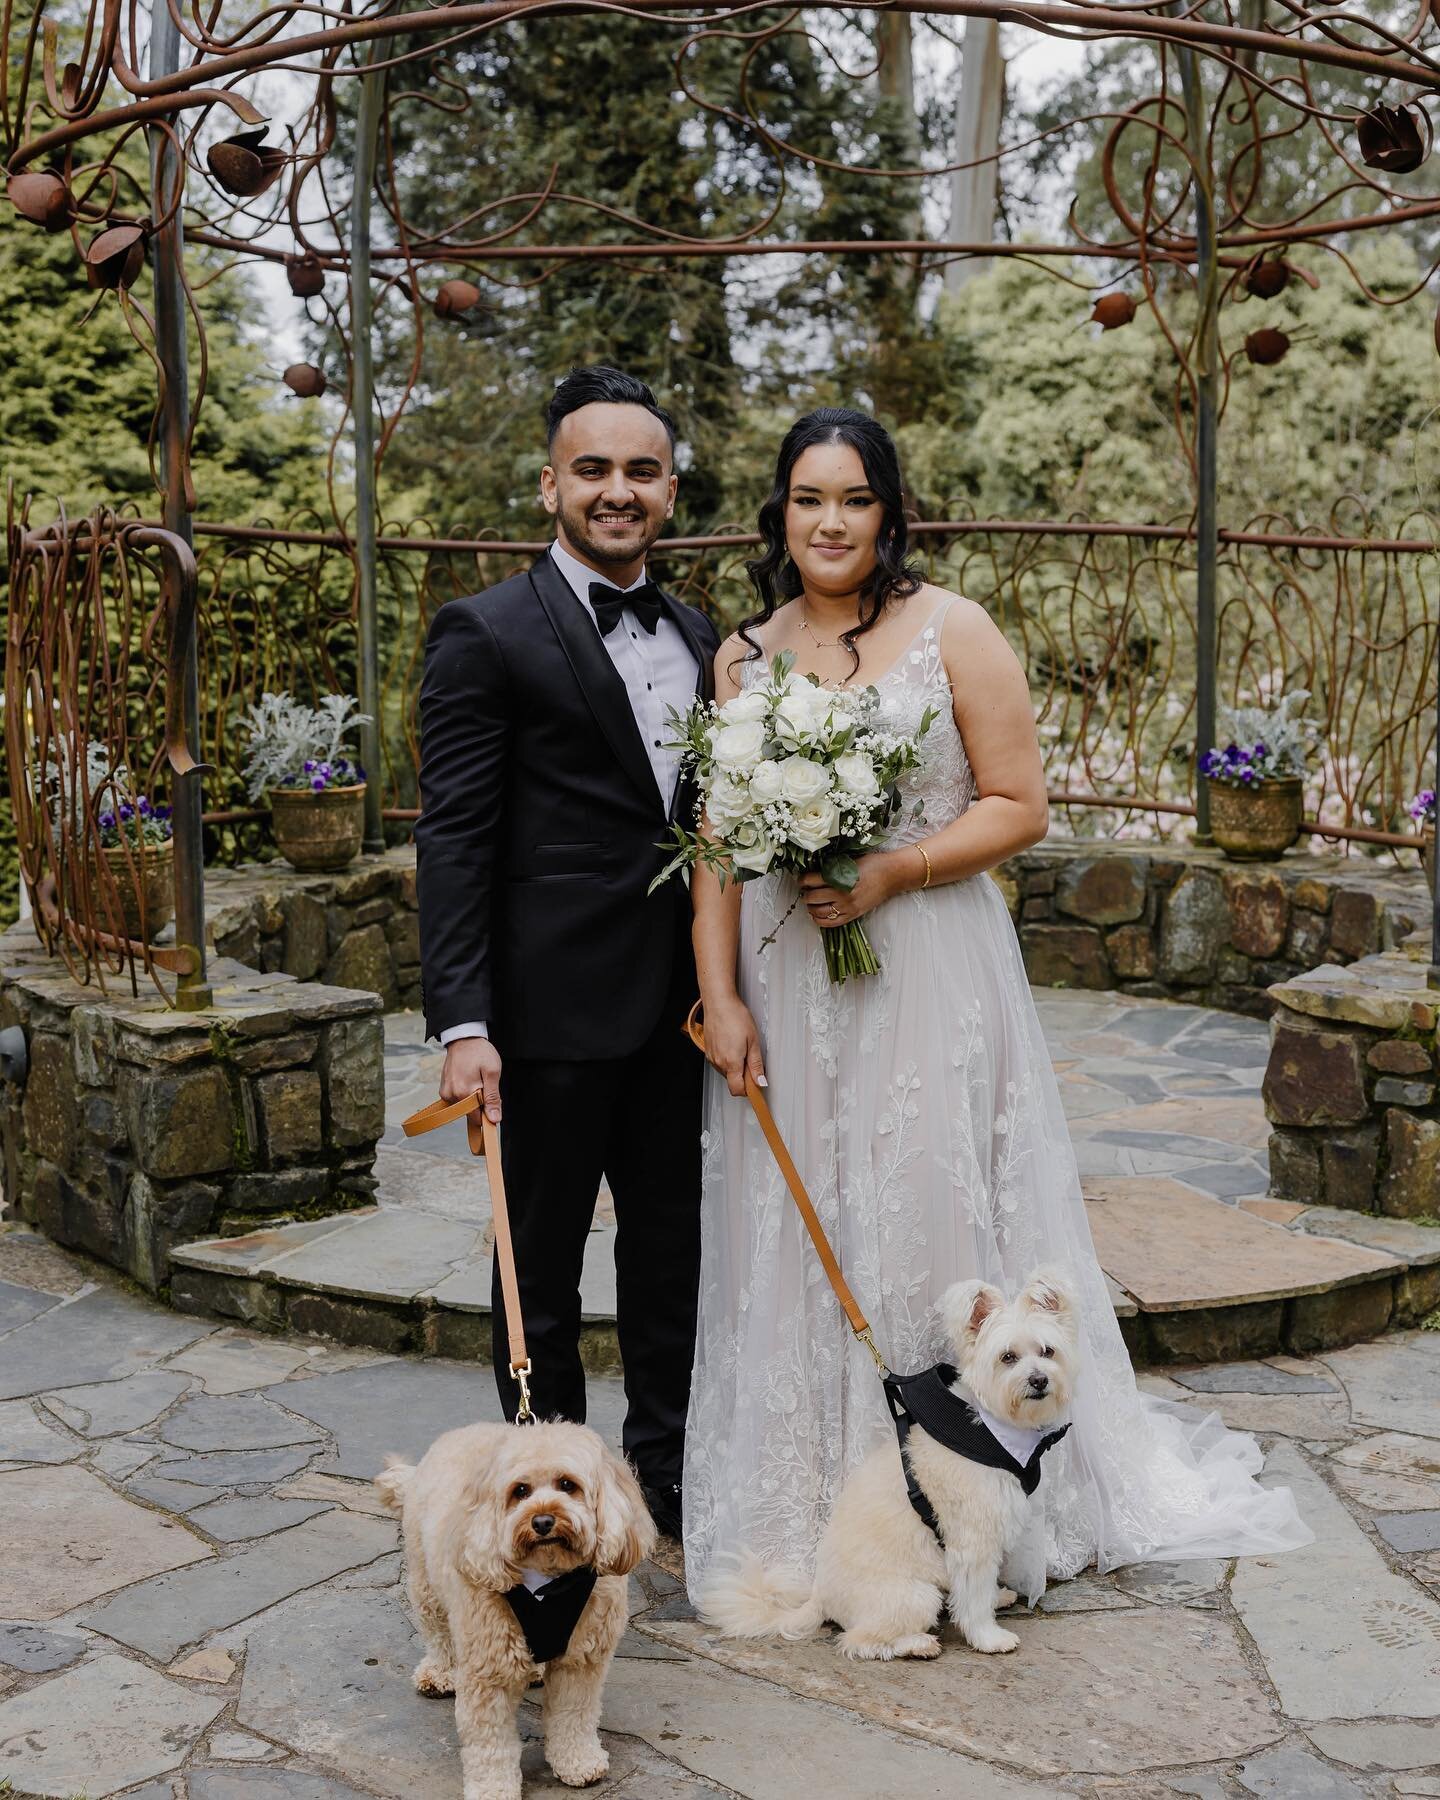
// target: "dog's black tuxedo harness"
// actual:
[[549, 1615], [926, 1400]]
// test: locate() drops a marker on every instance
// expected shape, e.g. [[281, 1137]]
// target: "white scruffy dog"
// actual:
[[490, 1508], [880, 1572]]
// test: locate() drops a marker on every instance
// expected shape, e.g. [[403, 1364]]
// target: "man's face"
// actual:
[[609, 485]]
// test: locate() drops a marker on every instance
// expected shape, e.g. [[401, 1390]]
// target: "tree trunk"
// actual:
[[979, 107]]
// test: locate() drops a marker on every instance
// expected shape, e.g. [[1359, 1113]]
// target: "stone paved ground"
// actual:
[[198, 1598]]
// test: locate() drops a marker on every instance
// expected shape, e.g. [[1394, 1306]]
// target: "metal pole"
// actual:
[[362, 411], [1433, 978], [1207, 373], [192, 990]]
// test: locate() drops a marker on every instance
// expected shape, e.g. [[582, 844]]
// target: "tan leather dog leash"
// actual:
[[755, 1094], [485, 1141]]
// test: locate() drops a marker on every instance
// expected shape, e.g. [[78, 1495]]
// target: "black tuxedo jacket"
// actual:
[[541, 828]]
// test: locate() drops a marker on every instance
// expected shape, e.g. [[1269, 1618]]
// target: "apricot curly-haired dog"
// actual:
[[487, 1506]]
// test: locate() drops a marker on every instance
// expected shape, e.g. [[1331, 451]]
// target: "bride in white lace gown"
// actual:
[[919, 1103]]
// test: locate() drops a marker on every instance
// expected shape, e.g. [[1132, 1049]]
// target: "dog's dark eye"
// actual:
[[1047, 1349], [520, 1491], [1009, 1356], [567, 1486]]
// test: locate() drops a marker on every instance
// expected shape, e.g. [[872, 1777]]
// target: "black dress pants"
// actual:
[[636, 1122]]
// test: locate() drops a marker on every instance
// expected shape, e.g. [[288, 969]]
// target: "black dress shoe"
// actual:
[[663, 1500]]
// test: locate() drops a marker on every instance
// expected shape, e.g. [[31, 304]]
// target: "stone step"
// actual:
[[1192, 1278]]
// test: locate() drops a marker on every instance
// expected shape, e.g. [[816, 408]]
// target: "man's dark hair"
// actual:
[[599, 382]]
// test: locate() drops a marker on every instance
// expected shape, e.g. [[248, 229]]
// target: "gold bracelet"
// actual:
[[926, 882]]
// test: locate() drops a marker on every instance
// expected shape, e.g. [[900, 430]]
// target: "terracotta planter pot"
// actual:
[[1251, 824], [156, 875], [318, 831]]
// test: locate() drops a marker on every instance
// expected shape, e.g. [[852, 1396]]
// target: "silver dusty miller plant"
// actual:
[[1286, 737], [86, 765], [289, 740]]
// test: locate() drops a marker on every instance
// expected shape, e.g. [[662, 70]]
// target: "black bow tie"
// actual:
[[609, 602]]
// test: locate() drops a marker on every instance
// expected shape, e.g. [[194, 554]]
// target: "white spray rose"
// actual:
[[856, 774], [745, 708], [814, 824], [803, 713], [765, 782], [802, 780], [750, 849], [727, 799], [736, 748]]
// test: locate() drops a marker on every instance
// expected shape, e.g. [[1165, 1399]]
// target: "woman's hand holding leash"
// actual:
[[732, 1043]]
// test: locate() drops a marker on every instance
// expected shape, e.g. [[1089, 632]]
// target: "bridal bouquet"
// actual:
[[793, 776]]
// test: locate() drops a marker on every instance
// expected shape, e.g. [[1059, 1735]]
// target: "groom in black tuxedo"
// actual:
[[555, 982]]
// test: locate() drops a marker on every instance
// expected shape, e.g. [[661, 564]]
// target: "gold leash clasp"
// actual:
[[519, 1372], [865, 1338]]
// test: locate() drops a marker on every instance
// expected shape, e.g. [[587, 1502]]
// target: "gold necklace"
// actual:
[[819, 643]]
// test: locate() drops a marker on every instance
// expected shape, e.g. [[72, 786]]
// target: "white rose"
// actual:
[[727, 799], [745, 708], [856, 774], [813, 825], [765, 782], [802, 713], [736, 748], [802, 780], [750, 849]]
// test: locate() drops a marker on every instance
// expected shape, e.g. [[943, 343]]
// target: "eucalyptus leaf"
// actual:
[[840, 871]]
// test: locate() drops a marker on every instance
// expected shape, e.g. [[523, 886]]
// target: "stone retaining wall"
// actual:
[[358, 928], [1351, 1086], [1179, 923], [138, 1128]]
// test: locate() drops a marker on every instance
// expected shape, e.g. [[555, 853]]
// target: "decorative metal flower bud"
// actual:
[[115, 256], [1112, 311], [1266, 345], [455, 298], [1396, 139], [244, 165], [40, 196], [1266, 277], [305, 380], [306, 275]]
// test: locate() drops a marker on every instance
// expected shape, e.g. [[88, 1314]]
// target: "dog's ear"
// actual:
[[1048, 1292], [624, 1530], [965, 1307], [479, 1555]]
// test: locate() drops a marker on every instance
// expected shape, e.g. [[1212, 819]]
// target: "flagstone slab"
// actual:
[[1410, 1531], [1085, 1593], [1376, 1746], [1385, 1493], [1173, 1583], [100, 1728], [1174, 1250], [266, 1784], [248, 1255], [236, 1422], [1306, 1417], [237, 1468], [109, 1408], [66, 1538], [240, 1747], [416, 1180], [382, 1255], [1207, 1120], [162, 1615], [26, 1439], [1402, 1238], [1395, 1453], [233, 1362], [1340, 1635], [1290, 1773], [1251, 1378], [235, 1521], [1077, 1696], [357, 1496], [1393, 1383], [102, 1336], [35, 1651], [18, 1305]]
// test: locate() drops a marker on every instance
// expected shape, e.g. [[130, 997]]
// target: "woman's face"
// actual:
[[832, 520]]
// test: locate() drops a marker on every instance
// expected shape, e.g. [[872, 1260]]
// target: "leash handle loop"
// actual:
[[695, 1030], [485, 1141]]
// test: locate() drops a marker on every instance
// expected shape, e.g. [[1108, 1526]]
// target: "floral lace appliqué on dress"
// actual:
[[923, 1112]]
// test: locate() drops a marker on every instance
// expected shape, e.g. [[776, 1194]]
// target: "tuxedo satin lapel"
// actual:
[[599, 682]]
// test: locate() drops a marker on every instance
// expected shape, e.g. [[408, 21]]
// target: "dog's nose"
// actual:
[[1039, 1384], [543, 1524]]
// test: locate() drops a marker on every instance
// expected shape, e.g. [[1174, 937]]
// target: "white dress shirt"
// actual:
[[659, 672]]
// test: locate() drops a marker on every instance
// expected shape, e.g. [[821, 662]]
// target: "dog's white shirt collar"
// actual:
[[535, 1579], [1019, 1440]]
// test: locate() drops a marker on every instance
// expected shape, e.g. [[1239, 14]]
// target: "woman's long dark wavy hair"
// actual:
[[895, 577]]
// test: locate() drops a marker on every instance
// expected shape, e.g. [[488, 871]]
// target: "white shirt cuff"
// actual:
[[453, 1032]]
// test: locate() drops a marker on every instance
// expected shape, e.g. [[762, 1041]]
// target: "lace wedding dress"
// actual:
[[922, 1110]]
